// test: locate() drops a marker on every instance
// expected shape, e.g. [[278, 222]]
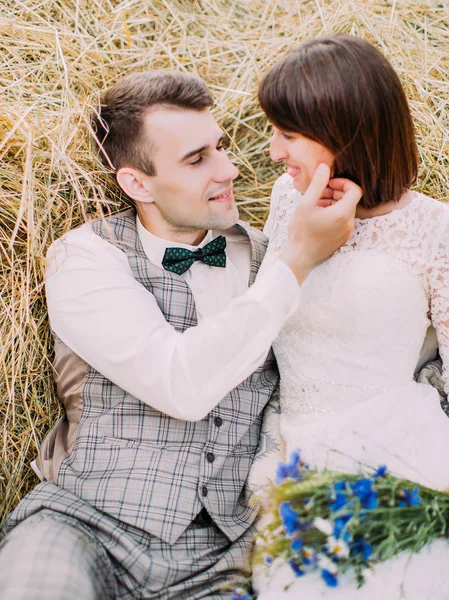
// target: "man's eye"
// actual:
[[222, 146], [197, 161]]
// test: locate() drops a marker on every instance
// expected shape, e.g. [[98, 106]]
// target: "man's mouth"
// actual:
[[292, 171], [225, 197]]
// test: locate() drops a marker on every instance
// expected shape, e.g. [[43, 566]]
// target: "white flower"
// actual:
[[337, 547], [308, 552], [326, 564], [323, 525]]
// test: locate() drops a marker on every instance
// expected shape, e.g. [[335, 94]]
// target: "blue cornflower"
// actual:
[[268, 560], [410, 498], [359, 546], [381, 471], [289, 470], [289, 518], [363, 489], [240, 596], [330, 579], [340, 486], [339, 525], [367, 551], [296, 568], [338, 502], [370, 502], [282, 473], [296, 543], [295, 457]]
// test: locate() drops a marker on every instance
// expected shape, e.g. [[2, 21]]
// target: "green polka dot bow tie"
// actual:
[[179, 260]]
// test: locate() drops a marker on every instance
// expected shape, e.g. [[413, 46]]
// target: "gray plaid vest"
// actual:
[[152, 471]]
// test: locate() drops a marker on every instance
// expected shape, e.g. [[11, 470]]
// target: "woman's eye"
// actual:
[[286, 136], [222, 147], [197, 161]]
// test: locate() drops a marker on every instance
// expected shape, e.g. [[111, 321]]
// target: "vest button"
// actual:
[[218, 421], [204, 490], [210, 457]]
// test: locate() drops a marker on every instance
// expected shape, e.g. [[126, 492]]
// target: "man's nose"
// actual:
[[228, 171]]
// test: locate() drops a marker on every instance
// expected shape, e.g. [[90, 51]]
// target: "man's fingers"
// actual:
[[348, 202], [328, 193], [317, 186], [341, 183], [324, 202]]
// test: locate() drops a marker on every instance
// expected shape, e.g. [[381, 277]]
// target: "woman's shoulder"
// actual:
[[428, 206], [431, 223]]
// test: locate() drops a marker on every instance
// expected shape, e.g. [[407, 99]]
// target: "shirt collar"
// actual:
[[155, 247]]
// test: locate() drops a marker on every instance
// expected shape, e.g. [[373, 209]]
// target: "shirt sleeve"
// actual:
[[111, 321]]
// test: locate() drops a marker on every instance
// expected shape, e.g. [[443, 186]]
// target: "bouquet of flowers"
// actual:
[[332, 522]]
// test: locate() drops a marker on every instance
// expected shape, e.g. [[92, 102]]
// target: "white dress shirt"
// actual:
[[111, 321]]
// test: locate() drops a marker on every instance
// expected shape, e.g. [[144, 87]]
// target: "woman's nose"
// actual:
[[277, 149]]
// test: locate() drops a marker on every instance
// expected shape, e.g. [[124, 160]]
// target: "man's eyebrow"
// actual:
[[201, 149]]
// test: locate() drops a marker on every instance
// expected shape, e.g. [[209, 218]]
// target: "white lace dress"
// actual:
[[347, 359]]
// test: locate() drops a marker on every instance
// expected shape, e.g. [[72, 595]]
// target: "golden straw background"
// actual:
[[55, 57]]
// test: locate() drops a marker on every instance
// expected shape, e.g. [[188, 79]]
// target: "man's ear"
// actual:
[[135, 184]]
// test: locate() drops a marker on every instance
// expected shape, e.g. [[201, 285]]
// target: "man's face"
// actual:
[[192, 189]]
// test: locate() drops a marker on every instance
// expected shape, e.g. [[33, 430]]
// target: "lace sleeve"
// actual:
[[283, 201], [439, 290]]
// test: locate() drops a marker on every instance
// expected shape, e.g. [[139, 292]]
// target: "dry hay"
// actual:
[[55, 56]]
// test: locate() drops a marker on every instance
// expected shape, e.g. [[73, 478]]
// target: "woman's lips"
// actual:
[[292, 171]]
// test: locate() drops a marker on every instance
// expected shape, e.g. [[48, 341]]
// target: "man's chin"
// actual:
[[224, 219]]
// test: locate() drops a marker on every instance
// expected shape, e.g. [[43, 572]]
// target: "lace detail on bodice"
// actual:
[[364, 312], [304, 403]]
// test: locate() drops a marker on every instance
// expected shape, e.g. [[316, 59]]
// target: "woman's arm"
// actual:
[[439, 288]]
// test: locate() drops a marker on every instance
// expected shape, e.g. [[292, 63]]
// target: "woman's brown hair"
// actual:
[[341, 92]]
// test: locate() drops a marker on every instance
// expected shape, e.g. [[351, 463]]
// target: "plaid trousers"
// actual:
[[61, 548]]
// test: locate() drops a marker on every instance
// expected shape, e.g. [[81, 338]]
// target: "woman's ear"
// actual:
[[135, 184]]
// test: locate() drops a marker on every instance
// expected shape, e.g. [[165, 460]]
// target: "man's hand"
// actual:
[[320, 225]]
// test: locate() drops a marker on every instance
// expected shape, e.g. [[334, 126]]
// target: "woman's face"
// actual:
[[300, 155]]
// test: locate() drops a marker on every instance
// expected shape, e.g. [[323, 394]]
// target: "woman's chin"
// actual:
[[300, 185]]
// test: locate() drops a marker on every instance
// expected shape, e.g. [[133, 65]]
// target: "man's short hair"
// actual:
[[118, 122], [341, 92]]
